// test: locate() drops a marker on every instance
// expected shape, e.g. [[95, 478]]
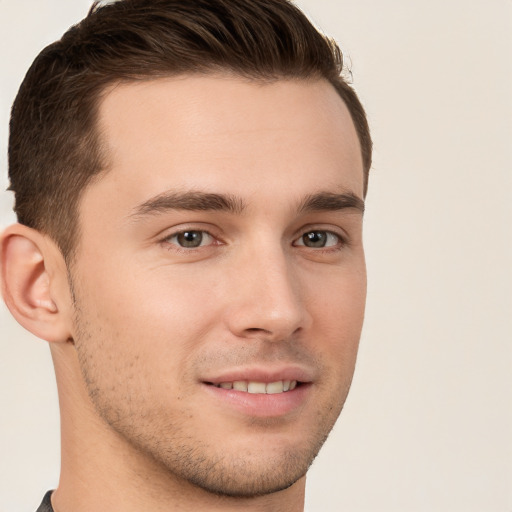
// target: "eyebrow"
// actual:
[[190, 201], [328, 201], [206, 201]]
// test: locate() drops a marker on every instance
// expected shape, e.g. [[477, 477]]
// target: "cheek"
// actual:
[[338, 312], [133, 295], [155, 320], [339, 298]]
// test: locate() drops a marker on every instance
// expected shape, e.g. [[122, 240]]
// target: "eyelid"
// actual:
[[204, 227]]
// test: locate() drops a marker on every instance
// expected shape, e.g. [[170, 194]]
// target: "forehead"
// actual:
[[217, 131]]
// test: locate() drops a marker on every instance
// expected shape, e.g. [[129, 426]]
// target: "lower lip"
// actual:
[[259, 404]]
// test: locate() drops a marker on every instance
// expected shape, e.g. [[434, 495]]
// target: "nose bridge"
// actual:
[[268, 302]]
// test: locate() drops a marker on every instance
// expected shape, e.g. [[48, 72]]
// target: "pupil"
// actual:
[[315, 239], [190, 238]]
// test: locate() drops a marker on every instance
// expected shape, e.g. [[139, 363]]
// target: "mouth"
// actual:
[[258, 388], [262, 393]]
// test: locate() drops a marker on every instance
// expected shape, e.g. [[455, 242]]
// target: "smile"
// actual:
[[253, 387], [261, 393]]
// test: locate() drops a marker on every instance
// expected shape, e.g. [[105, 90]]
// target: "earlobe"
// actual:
[[27, 286]]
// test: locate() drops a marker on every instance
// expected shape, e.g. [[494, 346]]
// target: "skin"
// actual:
[[153, 323]]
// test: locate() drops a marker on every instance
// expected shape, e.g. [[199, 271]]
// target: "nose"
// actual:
[[267, 300]]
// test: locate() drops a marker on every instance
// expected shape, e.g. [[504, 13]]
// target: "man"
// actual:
[[189, 180]]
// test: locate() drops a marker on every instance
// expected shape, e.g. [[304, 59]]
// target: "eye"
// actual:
[[319, 239], [191, 239]]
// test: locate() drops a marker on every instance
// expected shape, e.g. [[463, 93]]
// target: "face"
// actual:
[[219, 280]]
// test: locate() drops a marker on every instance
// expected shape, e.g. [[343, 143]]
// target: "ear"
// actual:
[[34, 283]]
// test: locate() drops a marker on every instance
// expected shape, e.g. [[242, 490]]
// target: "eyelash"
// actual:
[[341, 241]]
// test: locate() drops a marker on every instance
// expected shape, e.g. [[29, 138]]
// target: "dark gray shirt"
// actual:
[[46, 505]]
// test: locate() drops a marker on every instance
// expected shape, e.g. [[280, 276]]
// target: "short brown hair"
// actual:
[[54, 150]]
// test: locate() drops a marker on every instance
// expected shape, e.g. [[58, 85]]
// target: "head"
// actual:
[[195, 171]]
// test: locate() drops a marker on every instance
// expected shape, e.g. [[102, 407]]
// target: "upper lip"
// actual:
[[262, 374]]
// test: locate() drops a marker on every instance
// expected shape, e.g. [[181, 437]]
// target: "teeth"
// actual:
[[256, 387], [275, 387], [240, 385], [253, 387]]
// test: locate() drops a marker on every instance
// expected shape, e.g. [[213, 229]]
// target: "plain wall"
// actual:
[[428, 424]]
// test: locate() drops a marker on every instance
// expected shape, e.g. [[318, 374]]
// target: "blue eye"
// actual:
[[318, 239], [191, 239]]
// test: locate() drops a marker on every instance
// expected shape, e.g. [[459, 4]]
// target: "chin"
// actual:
[[244, 480], [241, 471]]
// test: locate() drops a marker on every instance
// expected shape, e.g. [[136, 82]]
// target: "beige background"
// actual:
[[428, 424]]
